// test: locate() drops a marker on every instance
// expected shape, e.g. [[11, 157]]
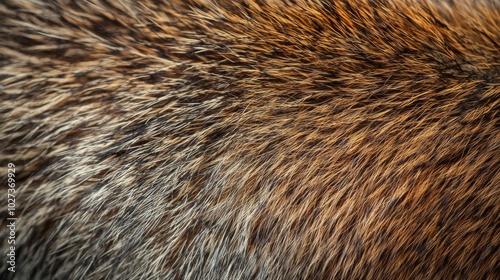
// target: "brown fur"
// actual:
[[252, 139]]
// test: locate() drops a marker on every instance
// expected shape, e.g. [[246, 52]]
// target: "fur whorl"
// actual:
[[160, 139]]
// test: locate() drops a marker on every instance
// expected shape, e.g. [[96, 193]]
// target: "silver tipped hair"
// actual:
[[166, 139]]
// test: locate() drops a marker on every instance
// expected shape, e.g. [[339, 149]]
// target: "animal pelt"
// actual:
[[159, 139]]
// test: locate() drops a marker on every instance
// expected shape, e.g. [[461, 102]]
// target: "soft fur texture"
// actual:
[[252, 139]]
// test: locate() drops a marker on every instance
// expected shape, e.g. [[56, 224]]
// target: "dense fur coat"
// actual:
[[251, 139]]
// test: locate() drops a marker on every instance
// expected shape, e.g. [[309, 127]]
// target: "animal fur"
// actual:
[[252, 139]]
